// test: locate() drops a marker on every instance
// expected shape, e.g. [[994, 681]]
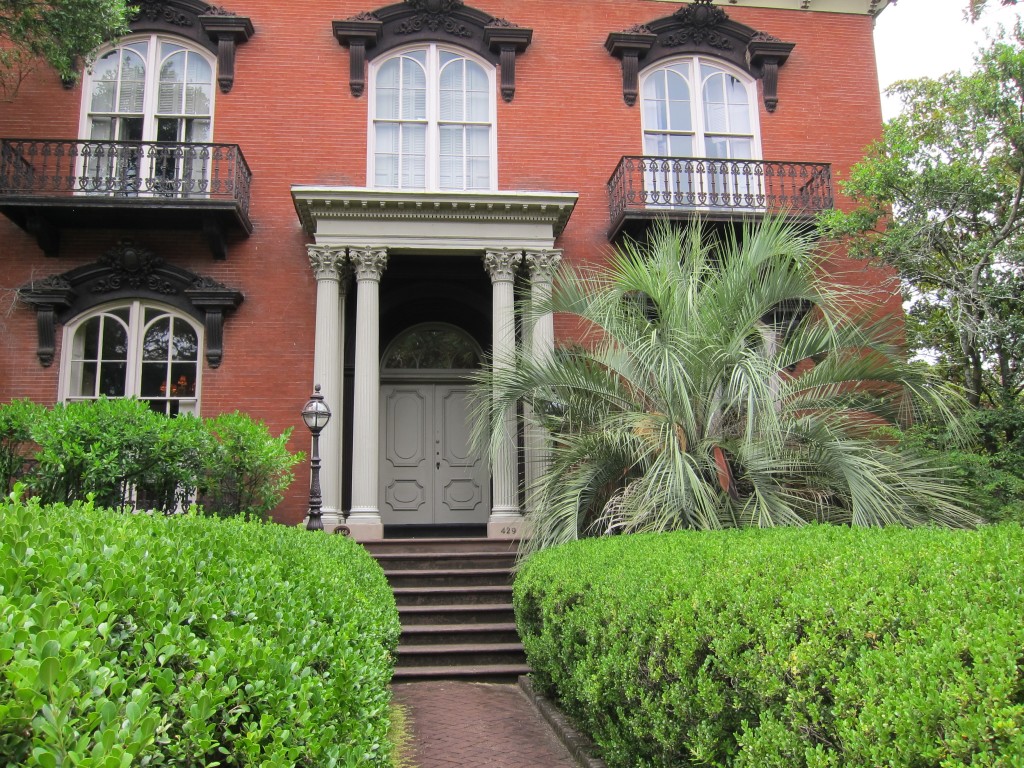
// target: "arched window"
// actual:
[[432, 347], [698, 108], [432, 121], [149, 89], [134, 350]]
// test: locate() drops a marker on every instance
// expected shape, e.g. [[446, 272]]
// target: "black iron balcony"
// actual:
[[646, 188], [47, 185]]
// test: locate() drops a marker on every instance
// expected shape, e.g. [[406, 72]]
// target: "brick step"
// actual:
[[472, 614], [400, 561], [453, 595], [483, 673], [448, 577], [442, 634], [461, 654], [393, 546]]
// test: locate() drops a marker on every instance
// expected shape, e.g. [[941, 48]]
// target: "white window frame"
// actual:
[[693, 185], [432, 174], [697, 102], [136, 328], [107, 181]]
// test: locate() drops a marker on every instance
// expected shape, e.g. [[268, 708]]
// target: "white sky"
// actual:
[[927, 38]]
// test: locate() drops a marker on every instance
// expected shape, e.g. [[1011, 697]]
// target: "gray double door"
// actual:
[[429, 472]]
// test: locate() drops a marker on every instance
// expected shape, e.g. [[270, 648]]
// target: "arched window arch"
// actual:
[[432, 346], [150, 88], [432, 116], [700, 107], [134, 349]]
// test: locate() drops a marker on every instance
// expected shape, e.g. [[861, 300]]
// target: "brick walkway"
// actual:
[[476, 725]]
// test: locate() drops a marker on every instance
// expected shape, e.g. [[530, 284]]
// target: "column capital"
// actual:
[[368, 263], [501, 264], [328, 262], [542, 263]]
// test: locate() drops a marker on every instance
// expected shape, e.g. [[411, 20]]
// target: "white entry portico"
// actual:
[[356, 231]]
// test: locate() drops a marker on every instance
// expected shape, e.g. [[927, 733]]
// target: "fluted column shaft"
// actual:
[[505, 517], [364, 518], [330, 267], [542, 265]]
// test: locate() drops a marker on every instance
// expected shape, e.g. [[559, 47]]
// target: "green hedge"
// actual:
[[188, 641], [822, 646]]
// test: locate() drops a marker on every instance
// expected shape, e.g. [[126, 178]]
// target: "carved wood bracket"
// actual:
[[128, 271], [699, 28], [371, 34], [228, 32]]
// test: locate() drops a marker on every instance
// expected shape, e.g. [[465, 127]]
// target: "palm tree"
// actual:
[[720, 382]]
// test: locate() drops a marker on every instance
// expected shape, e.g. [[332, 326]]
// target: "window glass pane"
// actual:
[[198, 70], [83, 379], [112, 379], [452, 140], [87, 339], [167, 129], [715, 117], [479, 140], [655, 103], [186, 342], [154, 380], [133, 83], [739, 118], [388, 90], [655, 144], [129, 129], [102, 128], [104, 82], [479, 173], [680, 146], [183, 380], [452, 106], [197, 130], [155, 343], [414, 91], [197, 99], [716, 146], [115, 340]]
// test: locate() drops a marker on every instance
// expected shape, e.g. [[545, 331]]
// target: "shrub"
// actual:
[[823, 646], [246, 471], [188, 641], [16, 420]]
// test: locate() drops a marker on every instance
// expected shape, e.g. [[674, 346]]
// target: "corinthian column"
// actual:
[[364, 519], [542, 265], [330, 268], [506, 520]]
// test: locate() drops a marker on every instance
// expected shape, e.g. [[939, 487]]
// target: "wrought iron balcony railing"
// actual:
[[646, 187], [153, 171]]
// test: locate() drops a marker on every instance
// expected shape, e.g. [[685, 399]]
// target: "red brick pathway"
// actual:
[[477, 725]]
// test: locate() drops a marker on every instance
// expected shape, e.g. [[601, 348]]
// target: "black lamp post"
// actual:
[[316, 414]]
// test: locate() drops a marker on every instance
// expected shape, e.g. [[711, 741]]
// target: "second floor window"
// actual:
[[150, 89], [696, 108], [432, 122]]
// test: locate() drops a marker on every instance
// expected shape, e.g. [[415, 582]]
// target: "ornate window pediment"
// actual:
[[128, 271], [216, 29], [699, 28], [370, 34]]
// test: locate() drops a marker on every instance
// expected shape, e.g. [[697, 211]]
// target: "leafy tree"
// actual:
[[55, 31], [724, 385], [940, 200], [975, 7]]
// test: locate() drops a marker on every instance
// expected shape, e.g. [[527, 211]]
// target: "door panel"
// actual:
[[428, 470], [406, 467]]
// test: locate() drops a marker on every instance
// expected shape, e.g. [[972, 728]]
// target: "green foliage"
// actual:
[[246, 470], [946, 180], [125, 455], [811, 648], [727, 384], [58, 32], [188, 641], [16, 420]]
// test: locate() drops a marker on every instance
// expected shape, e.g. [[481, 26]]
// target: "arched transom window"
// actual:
[[432, 115], [696, 107], [432, 347], [134, 350]]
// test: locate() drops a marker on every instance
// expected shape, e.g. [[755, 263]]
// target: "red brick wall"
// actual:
[[297, 123]]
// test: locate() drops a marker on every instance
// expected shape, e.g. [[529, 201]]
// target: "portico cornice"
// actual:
[[341, 212]]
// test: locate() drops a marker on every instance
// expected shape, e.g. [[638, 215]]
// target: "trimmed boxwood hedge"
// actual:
[[135, 639], [822, 646]]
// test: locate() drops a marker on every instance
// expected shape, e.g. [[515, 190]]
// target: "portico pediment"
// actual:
[[432, 222]]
